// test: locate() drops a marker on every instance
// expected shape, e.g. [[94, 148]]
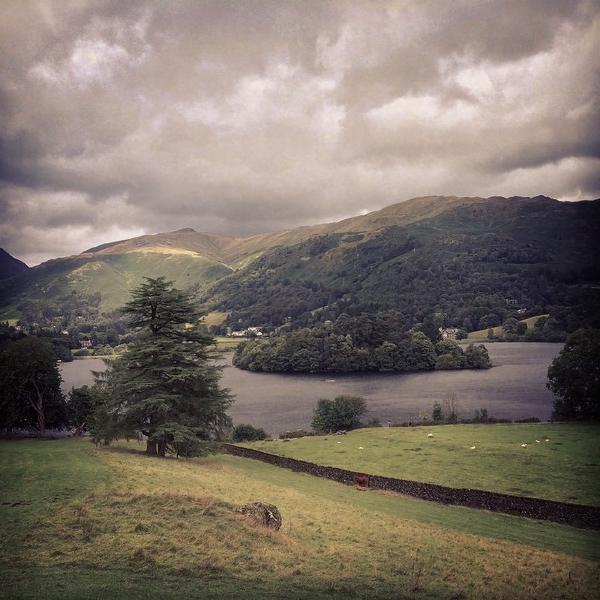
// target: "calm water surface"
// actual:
[[514, 388]]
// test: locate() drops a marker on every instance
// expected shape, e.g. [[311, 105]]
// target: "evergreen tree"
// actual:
[[164, 385]]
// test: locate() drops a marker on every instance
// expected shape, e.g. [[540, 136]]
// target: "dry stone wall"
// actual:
[[534, 508]]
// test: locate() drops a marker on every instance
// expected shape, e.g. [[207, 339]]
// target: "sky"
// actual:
[[122, 118]]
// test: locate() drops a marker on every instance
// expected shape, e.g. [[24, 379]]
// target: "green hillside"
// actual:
[[470, 265], [83, 523], [481, 335], [112, 275]]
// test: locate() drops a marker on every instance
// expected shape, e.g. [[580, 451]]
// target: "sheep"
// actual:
[[537, 441], [473, 447], [429, 435], [360, 448], [523, 445]]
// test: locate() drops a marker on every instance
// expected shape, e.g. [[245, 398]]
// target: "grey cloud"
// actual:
[[240, 117]]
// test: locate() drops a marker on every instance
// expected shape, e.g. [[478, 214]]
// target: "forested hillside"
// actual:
[[470, 266]]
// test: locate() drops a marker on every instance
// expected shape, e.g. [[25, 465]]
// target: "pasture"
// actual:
[[482, 334], [79, 522], [561, 461]]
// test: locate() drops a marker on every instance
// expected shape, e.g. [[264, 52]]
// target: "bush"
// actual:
[[290, 435], [248, 433], [342, 413]]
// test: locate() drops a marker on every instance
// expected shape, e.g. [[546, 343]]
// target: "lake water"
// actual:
[[514, 388]]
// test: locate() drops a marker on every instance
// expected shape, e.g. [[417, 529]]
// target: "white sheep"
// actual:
[[360, 448], [473, 447], [430, 435], [537, 441], [523, 445]]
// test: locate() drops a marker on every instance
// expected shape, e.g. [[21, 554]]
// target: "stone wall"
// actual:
[[533, 508]]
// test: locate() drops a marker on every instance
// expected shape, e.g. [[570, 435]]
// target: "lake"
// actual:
[[515, 388]]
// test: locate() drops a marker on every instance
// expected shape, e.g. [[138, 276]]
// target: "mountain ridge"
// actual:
[[199, 261], [10, 266], [230, 249]]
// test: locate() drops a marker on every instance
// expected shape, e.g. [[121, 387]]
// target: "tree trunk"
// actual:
[[162, 448], [38, 406], [151, 448]]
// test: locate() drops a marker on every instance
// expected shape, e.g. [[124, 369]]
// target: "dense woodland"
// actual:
[[356, 344], [540, 259]]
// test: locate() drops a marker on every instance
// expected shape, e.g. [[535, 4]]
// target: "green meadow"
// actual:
[[561, 461], [86, 523], [482, 334]]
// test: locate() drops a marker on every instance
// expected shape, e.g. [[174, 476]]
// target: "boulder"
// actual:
[[263, 514]]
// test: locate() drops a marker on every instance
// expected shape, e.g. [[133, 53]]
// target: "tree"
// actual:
[[513, 327], [477, 357], [248, 433], [574, 377], [30, 394], [450, 407], [450, 355], [437, 414], [342, 413], [164, 385], [81, 407], [431, 327]]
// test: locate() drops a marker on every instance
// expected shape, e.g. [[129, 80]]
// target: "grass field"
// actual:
[[482, 334], [112, 523], [215, 318], [566, 467], [228, 343]]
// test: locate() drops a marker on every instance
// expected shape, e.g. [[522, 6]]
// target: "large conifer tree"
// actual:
[[165, 384]]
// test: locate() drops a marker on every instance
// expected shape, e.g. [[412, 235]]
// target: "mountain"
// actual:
[[461, 257], [470, 262], [193, 260], [10, 266]]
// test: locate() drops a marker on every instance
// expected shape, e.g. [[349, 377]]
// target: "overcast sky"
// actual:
[[119, 118]]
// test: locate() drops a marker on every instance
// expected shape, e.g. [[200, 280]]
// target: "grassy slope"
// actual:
[[122, 525], [113, 275], [566, 468], [229, 343], [482, 334]]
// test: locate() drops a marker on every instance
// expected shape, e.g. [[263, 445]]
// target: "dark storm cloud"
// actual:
[[120, 118]]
